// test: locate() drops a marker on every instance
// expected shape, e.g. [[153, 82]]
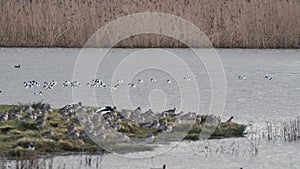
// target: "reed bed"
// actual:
[[227, 23], [285, 131], [30, 160], [27, 160], [291, 130]]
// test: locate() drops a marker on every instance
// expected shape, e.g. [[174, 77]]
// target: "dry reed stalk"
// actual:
[[234, 23], [291, 130]]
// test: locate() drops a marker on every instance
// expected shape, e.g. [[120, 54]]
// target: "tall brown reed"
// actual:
[[227, 23]]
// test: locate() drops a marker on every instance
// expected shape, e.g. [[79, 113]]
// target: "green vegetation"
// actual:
[[224, 130], [15, 136], [8, 107]]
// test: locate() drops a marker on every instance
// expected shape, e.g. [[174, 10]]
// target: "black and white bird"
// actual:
[[269, 77], [140, 81], [31, 147], [186, 79], [132, 85], [106, 110], [38, 93], [115, 86], [119, 81], [170, 112], [242, 77], [153, 80], [17, 66]]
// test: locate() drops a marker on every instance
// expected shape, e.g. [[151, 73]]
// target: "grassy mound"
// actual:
[[16, 135]]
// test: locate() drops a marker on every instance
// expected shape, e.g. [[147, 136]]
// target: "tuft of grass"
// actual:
[[21, 125], [9, 107]]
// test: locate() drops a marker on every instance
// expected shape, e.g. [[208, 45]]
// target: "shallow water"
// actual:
[[254, 99], [225, 154]]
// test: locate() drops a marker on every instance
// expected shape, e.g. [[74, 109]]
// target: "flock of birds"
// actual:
[[100, 83], [46, 85], [94, 83], [266, 77]]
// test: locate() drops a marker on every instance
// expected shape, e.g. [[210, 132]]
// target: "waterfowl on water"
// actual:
[[38, 93], [187, 79], [140, 81], [30, 84], [65, 84], [120, 81], [133, 85], [269, 77], [152, 80], [115, 86], [17, 66], [169, 81], [163, 167], [242, 77]]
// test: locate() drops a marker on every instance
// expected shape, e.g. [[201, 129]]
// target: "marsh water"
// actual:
[[261, 86]]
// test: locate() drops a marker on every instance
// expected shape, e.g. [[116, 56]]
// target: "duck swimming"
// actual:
[[186, 79], [269, 77], [242, 77], [152, 80], [140, 81], [119, 81], [17, 66], [133, 85], [115, 86], [38, 93]]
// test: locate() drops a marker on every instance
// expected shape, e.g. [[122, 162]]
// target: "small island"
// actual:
[[74, 128]]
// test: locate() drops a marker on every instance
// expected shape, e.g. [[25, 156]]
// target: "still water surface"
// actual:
[[255, 99]]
